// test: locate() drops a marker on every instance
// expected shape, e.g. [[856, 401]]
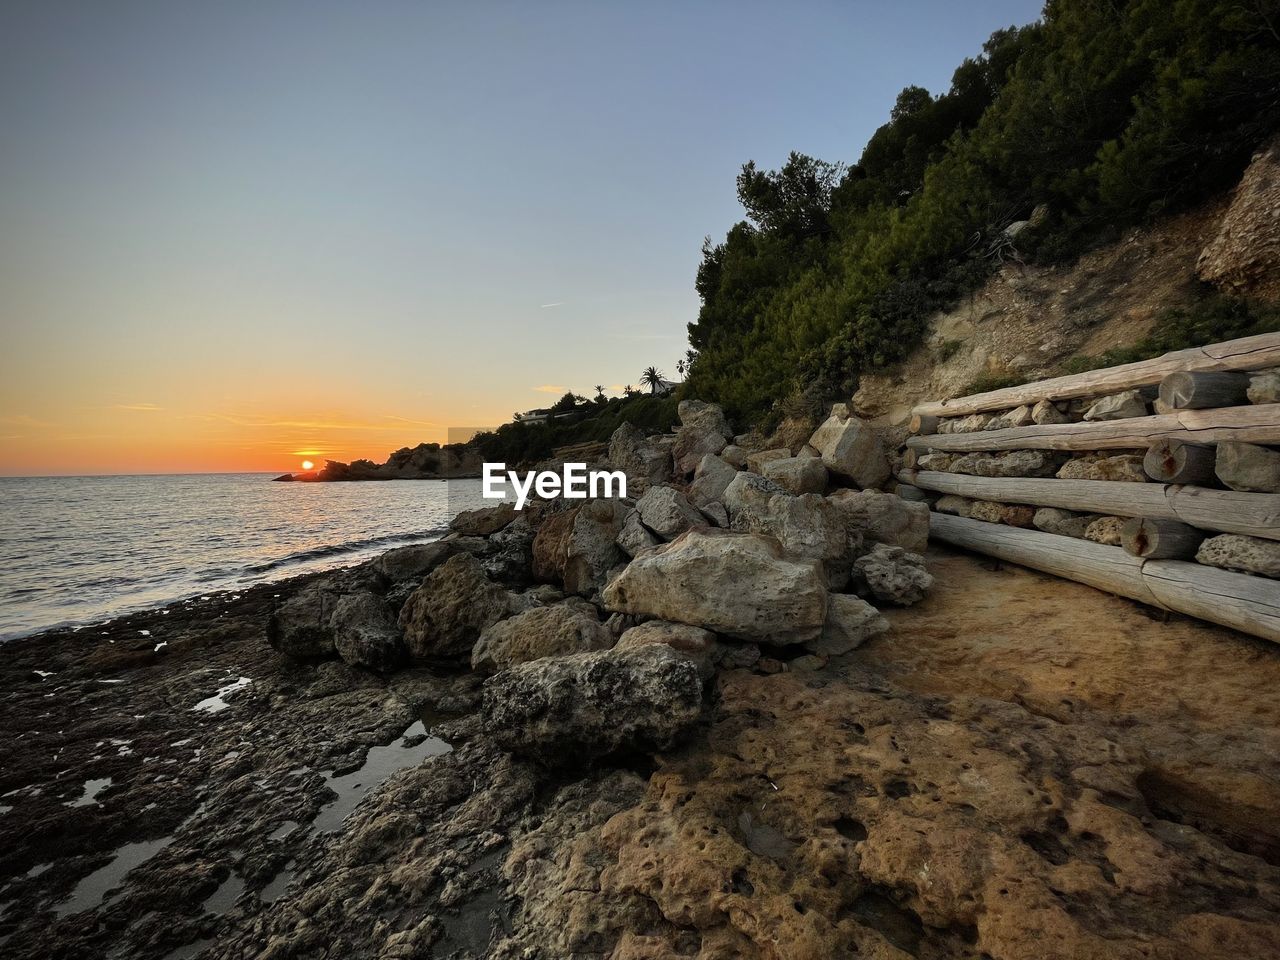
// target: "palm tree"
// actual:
[[680, 368], [629, 390], [599, 391], [651, 378]]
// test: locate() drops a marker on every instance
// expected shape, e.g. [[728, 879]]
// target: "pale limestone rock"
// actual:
[[1105, 530], [1247, 466], [1017, 417], [756, 461], [939, 462], [704, 416], [717, 514], [850, 622], [1123, 466], [710, 479], [740, 585], [591, 548], [1118, 406], [735, 456], [1063, 522], [1011, 514], [884, 518], [893, 575], [693, 643], [852, 449], [1237, 552], [1264, 387], [747, 498], [569, 627], [797, 474], [666, 512], [1244, 258], [638, 456], [1047, 412], [635, 536]]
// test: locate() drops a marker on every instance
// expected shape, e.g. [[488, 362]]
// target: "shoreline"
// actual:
[[218, 797]]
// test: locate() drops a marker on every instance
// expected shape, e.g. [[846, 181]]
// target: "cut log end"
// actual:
[[1198, 390], [1170, 460], [1160, 539]]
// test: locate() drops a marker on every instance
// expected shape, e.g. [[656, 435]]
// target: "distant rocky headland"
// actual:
[[426, 461]]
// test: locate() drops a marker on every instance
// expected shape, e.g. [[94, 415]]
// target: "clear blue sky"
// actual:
[[266, 212]]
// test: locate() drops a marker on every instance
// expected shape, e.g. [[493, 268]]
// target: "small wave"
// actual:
[[338, 549]]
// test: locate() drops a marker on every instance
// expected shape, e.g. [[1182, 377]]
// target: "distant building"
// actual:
[[542, 415]]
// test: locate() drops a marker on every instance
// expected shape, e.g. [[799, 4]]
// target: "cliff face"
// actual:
[[426, 461], [1028, 320]]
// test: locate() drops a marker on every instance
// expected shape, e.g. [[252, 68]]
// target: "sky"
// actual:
[[237, 235]]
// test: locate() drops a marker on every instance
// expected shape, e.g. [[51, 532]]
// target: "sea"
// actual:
[[80, 550]]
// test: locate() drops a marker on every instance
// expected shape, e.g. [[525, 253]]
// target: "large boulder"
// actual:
[[570, 627], [850, 622], [365, 632], [569, 709], [693, 643], [413, 562], [852, 449], [893, 575], [445, 616], [666, 512], [301, 626], [740, 585], [635, 536], [691, 445], [591, 549], [634, 454], [797, 474], [483, 522], [747, 497], [551, 544], [885, 518], [507, 555], [756, 461], [704, 416], [703, 430], [710, 479], [809, 527]]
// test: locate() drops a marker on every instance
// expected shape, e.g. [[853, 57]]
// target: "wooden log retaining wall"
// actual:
[[1217, 422]]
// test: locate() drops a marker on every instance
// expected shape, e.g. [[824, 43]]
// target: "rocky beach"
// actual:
[[746, 712]]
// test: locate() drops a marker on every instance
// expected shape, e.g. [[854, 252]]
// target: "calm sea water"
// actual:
[[76, 550]]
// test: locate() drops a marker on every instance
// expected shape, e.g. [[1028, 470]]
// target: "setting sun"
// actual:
[[307, 464]]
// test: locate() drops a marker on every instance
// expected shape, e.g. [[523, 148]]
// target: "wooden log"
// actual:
[[1160, 539], [1107, 568], [1248, 353], [1201, 389], [1169, 460], [1226, 511], [923, 425], [1238, 600], [1257, 423]]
